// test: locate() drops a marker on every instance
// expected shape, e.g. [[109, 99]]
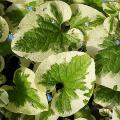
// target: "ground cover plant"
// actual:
[[59, 60]]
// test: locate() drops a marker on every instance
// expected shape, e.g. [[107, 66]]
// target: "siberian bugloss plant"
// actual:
[[59, 59]]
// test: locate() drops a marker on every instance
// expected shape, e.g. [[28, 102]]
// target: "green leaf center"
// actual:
[[67, 77]]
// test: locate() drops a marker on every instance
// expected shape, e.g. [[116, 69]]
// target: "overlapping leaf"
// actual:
[[107, 97], [71, 77], [47, 115], [24, 97], [84, 113], [18, 10], [108, 59], [51, 30]]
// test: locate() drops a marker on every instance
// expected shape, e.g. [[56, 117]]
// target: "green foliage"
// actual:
[[111, 9], [23, 92], [63, 102], [107, 60], [118, 113], [47, 36], [107, 96], [33, 4], [3, 98], [15, 16], [5, 48], [84, 113], [1, 9], [79, 22], [71, 75], [46, 114], [112, 24], [56, 12], [97, 3], [69, 1], [98, 21]]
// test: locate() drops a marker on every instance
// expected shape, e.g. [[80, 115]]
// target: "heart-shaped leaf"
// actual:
[[24, 97], [51, 30], [63, 30], [72, 74]]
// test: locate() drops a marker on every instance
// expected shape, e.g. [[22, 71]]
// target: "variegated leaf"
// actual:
[[74, 72], [4, 29], [24, 97]]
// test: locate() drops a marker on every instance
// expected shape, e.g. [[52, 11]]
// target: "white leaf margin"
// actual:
[[30, 21], [5, 29], [115, 115], [20, 7], [28, 109], [76, 104], [109, 80]]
